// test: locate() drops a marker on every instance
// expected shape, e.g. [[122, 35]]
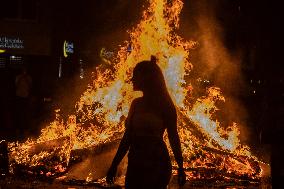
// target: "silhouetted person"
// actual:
[[23, 84], [4, 159], [149, 164]]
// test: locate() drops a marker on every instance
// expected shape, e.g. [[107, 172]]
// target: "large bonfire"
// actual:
[[102, 108]]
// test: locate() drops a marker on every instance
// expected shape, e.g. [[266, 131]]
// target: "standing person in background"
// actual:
[[149, 164], [7, 101], [23, 84]]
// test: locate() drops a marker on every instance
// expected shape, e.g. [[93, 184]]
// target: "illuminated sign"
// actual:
[[106, 55], [129, 48], [11, 43], [2, 50], [68, 48]]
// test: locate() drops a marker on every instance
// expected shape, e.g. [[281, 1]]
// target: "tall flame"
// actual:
[[102, 108]]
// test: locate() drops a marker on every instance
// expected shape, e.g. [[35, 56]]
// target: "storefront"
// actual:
[[17, 51]]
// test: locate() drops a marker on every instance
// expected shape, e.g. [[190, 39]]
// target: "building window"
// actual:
[[2, 62], [16, 60]]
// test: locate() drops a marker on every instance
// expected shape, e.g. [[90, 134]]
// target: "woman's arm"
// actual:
[[123, 146], [122, 149], [171, 121]]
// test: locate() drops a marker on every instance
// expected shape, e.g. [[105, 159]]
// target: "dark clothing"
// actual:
[[22, 114], [23, 85], [149, 164]]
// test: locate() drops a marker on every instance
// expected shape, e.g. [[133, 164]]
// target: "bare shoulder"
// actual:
[[137, 101], [134, 104]]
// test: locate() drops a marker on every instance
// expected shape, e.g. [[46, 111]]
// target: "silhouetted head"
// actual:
[[148, 77]]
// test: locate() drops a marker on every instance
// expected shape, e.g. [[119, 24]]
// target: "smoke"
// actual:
[[95, 163], [213, 61]]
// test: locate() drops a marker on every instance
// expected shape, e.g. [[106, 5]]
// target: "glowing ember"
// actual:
[[102, 108]]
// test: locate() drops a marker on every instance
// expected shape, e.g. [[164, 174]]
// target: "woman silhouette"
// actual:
[[149, 164]]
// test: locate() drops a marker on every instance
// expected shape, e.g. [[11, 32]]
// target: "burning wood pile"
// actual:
[[211, 152]]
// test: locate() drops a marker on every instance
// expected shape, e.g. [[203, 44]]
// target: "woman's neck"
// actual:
[[147, 95]]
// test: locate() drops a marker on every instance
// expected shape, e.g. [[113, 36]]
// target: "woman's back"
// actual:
[[149, 164], [146, 121]]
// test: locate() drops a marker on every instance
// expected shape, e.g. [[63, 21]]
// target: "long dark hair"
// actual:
[[152, 81]]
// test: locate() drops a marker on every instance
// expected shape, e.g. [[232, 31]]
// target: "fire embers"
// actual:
[[4, 159]]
